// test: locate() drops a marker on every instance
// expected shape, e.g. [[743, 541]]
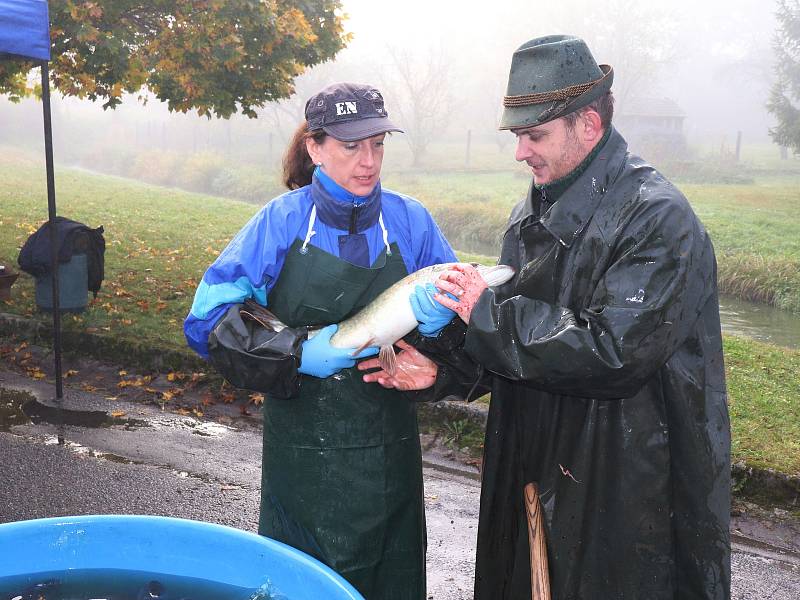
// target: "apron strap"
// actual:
[[313, 219], [310, 231], [385, 235]]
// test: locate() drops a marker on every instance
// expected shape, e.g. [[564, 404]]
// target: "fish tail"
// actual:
[[388, 359]]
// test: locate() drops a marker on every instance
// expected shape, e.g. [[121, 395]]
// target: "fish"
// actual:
[[388, 317]]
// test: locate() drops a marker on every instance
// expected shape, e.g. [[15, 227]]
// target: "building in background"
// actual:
[[653, 127]]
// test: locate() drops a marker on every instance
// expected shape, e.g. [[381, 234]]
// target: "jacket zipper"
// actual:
[[353, 219]]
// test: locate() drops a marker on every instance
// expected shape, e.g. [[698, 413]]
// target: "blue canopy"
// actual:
[[25, 28]]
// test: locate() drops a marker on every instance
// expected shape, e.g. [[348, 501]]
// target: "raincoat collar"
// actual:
[[567, 217], [354, 214]]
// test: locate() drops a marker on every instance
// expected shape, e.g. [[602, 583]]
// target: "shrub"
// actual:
[[198, 172], [706, 171], [156, 166], [252, 184], [476, 228]]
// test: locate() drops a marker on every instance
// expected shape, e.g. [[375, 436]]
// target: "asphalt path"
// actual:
[[148, 461]]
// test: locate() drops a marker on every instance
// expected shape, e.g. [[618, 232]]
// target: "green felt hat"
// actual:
[[550, 77]]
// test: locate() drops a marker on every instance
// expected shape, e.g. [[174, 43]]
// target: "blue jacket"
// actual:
[[347, 227]]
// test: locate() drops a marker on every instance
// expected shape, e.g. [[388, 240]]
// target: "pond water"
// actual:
[[760, 322], [122, 584]]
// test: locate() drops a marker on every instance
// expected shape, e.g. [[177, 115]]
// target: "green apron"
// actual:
[[342, 467]]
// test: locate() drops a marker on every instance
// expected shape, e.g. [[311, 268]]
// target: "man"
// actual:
[[604, 355]]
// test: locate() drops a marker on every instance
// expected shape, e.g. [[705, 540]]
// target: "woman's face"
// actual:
[[356, 166]]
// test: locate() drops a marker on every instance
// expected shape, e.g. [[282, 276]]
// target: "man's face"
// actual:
[[552, 150]]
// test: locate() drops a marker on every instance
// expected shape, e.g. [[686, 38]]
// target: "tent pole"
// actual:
[[51, 210]]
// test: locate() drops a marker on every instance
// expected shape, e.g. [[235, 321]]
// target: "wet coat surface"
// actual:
[[608, 391]]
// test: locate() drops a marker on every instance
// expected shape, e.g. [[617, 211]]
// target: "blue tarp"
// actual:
[[25, 28]]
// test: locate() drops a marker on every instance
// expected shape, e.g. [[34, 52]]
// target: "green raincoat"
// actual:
[[604, 359]]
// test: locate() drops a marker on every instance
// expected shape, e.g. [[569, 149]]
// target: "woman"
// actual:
[[341, 468]]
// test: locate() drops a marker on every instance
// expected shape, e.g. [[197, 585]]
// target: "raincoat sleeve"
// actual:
[[248, 356], [642, 308], [253, 357], [432, 248]]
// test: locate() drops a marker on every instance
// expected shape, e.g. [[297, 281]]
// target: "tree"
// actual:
[[284, 116], [420, 92], [215, 56], [786, 90]]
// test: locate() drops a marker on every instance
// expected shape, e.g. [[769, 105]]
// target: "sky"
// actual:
[[712, 58]]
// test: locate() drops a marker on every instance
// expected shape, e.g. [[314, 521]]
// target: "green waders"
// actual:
[[342, 467]]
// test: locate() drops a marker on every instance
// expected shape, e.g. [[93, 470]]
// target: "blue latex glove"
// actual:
[[431, 315], [322, 360]]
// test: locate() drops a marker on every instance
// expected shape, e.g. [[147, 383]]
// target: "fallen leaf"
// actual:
[[36, 373], [117, 413], [70, 373]]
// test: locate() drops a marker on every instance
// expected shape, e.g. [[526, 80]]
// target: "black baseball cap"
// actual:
[[349, 112]]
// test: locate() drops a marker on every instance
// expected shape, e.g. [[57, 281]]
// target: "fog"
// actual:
[[448, 61]]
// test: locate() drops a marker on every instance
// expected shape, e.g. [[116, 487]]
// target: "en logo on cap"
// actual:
[[348, 112], [346, 108]]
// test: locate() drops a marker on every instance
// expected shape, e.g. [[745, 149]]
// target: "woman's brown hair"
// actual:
[[297, 164]]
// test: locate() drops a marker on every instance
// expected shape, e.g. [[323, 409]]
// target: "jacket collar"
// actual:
[[570, 214], [344, 214]]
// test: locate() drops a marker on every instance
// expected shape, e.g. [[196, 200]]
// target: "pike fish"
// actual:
[[387, 318]]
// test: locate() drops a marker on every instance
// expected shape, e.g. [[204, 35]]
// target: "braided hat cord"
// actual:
[[563, 94]]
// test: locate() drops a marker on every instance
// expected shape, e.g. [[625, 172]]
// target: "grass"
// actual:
[[756, 232], [159, 242], [764, 396]]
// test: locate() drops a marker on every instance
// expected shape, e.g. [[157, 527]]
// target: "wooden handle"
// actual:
[[540, 576]]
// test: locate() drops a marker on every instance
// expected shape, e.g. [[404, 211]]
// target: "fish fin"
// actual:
[[260, 314], [363, 347], [388, 359]]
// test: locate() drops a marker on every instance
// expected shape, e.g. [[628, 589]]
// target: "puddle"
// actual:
[[759, 321], [11, 402], [194, 426], [210, 429], [20, 408], [83, 450]]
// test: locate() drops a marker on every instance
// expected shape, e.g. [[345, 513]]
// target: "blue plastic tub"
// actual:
[[144, 557]]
